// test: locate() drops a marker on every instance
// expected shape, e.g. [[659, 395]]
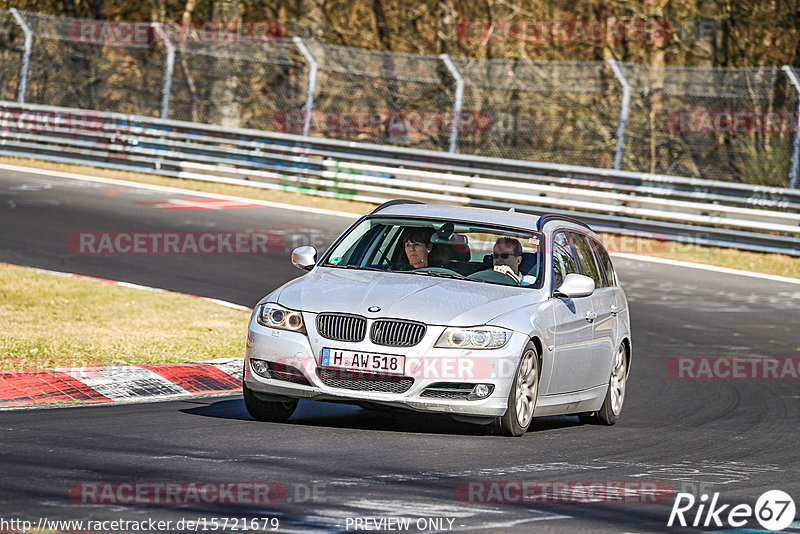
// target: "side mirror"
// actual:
[[304, 258], [575, 286]]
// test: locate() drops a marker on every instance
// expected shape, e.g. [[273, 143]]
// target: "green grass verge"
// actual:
[[47, 321]]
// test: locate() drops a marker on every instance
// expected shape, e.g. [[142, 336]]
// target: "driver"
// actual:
[[419, 250], [507, 257], [417, 245]]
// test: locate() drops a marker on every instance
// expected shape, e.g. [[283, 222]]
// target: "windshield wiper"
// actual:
[[455, 276], [358, 267]]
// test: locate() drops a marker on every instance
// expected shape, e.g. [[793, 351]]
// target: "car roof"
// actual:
[[473, 214], [462, 213]]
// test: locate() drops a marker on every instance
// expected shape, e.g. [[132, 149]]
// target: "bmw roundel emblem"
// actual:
[[374, 309]]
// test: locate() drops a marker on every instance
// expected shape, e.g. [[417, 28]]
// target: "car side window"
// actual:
[[382, 256], [606, 268], [563, 260], [586, 258]]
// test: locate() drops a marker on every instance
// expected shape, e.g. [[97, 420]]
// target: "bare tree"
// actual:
[[186, 20]]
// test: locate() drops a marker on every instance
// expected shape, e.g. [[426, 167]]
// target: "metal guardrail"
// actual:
[[696, 211]]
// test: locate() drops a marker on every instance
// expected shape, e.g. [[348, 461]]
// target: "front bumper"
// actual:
[[425, 366]]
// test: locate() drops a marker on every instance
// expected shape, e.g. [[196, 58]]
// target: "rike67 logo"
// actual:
[[774, 510]]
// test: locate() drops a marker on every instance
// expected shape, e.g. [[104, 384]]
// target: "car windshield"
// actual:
[[450, 249]]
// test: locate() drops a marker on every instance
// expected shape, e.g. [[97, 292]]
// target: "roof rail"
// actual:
[[394, 203], [544, 219]]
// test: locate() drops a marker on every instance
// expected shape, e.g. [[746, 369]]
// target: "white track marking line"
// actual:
[[176, 190], [713, 268]]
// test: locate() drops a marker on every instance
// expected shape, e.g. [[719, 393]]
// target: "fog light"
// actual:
[[260, 368], [481, 391]]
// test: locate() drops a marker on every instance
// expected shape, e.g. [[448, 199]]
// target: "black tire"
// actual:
[[609, 412], [523, 395], [271, 411]]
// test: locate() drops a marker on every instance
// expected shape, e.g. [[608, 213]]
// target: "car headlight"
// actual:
[[482, 337], [274, 316]]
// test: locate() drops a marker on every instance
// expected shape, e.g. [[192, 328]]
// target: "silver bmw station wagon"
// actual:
[[488, 316]]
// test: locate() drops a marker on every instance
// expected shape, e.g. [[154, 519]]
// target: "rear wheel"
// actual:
[[274, 411], [615, 395], [523, 395]]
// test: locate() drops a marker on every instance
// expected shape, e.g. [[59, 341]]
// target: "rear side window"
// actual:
[[586, 259], [606, 268], [563, 260]]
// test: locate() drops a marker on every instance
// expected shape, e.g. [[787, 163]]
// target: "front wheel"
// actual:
[[615, 395], [523, 395], [272, 411]]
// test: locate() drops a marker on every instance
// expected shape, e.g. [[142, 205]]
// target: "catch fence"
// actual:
[[723, 124]]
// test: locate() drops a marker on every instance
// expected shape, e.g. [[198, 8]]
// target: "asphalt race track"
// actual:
[[339, 463]]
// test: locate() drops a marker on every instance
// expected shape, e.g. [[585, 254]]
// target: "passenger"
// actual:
[[507, 256]]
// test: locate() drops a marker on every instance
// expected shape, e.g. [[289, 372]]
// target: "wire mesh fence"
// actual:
[[733, 124], [559, 112], [378, 97], [724, 124], [237, 85], [66, 69]]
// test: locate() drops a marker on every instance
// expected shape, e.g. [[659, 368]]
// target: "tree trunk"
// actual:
[[223, 91], [656, 116], [186, 20], [380, 24]]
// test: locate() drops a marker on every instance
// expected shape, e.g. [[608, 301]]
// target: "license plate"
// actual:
[[363, 361]]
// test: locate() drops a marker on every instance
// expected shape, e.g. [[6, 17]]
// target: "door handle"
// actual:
[[591, 316], [614, 310]]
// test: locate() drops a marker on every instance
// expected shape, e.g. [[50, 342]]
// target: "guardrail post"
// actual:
[[624, 110], [312, 83], [166, 90], [457, 103], [22, 86], [795, 167]]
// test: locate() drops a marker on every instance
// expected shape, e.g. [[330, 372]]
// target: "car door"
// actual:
[[604, 302], [573, 325]]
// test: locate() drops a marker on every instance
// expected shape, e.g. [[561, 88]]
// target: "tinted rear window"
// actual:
[[606, 268], [586, 259]]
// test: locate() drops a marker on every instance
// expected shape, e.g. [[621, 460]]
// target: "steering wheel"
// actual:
[[495, 277], [505, 269]]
